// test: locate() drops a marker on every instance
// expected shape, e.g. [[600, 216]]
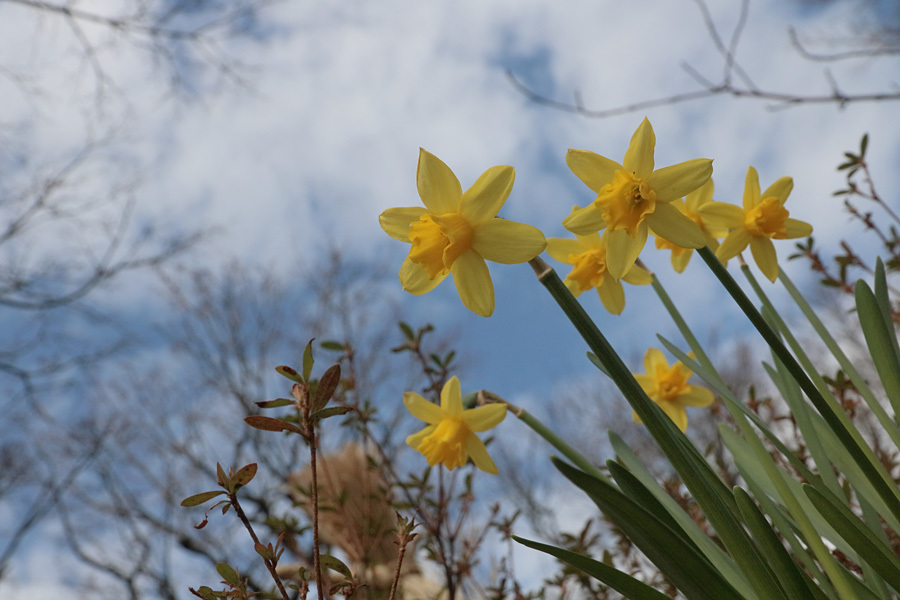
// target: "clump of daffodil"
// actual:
[[455, 232], [762, 219], [690, 207], [587, 255], [634, 197], [669, 387], [450, 436]]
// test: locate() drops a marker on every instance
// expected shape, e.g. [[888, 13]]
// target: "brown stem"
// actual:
[[317, 564], [404, 540], [269, 564]]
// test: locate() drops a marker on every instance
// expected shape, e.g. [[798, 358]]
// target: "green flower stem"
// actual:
[[858, 382], [856, 447], [565, 449], [680, 323], [709, 491], [775, 475], [707, 371]]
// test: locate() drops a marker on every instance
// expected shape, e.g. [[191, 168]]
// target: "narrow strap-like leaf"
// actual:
[[880, 339], [866, 544], [675, 556], [623, 583], [796, 584]]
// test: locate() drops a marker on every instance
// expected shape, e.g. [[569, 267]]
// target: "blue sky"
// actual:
[[340, 97]]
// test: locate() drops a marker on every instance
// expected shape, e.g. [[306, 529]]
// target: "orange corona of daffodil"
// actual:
[[587, 254], [450, 436], [669, 387], [690, 207], [762, 219], [634, 197], [455, 232]]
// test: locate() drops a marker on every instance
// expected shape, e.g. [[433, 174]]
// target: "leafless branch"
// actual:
[[744, 87]]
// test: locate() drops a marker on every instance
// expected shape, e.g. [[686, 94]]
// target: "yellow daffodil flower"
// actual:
[[690, 207], [455, 232], [762, 219], [633, 198], [450, 436], [669, 387], [587, 254]]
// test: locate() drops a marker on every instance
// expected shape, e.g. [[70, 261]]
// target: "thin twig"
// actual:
[[269, 565], [317, 563]]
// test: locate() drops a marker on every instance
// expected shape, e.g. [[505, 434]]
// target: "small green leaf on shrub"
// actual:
[[308, 361], [245, 475], [332, 345], [205, 592], [221, 478], [265, 551], [407, 331], [330, 562], [331, 412], [290, 373], [198, 499], [270, 424], [327, 385], [228, 574], [277, 403]]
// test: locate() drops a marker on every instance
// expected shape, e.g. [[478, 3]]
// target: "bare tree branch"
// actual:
[[726, 86]]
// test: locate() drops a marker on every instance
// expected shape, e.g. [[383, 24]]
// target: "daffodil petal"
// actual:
[[781, 189], [764, 254], [654, 359], [751, 189], [639, 156], [508, 242], [438, 187], [637, 276], [698, 396], [676, 413], [573, 287], [733, 244], [396, 221], [674, 182], [560, 248], [594, 170], [451, 398], [422, 409], [585, 220], [477, 451], [415, 440], [481, 202], [702, 195], [591, 240], [722, 215], [668, 223], [473, 282], [680, 260], [611, 294], [623, 250], [646, 382], [484, 417], [795, 229], [414, 278], [712, 234]]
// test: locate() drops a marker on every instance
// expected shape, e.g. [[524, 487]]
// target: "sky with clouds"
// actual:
[[323, 130]]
